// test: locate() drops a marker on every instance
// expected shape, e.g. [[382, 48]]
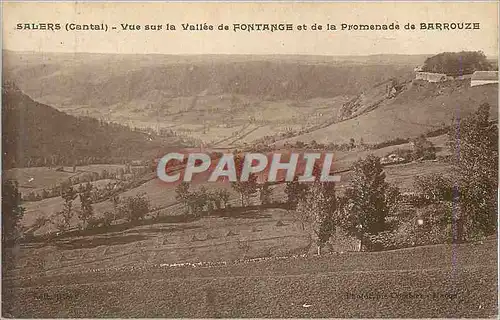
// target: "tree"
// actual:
[[136, 208], [265, 193], [115, 200], [313, 144], [12, 211], [317, 210], [367, 203], [224, 196], [245, 188], [182, 194], [108, 218], [474, 142], [295, 192], [214, 201], [68, 194], [362, 143], [197, 200], [87, 211], [300, 144], [352, 143]]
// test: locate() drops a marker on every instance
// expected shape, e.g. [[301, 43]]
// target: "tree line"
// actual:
[[457, 63]]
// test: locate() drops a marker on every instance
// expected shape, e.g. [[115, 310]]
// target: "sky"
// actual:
[[324, 42]]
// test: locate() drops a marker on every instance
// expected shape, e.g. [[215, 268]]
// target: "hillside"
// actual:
[[35, 134], [113, 79], [270, 79], [420, 107], [233, 99]]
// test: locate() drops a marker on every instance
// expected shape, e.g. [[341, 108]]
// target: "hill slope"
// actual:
[[419, 108], [36, 134]]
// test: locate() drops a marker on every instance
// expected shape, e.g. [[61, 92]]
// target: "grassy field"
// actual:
[[344, 160], [432, 281], [403, 175], [37, 178]]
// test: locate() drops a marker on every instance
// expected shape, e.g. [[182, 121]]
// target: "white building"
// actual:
[[430, 76], [480, 78]]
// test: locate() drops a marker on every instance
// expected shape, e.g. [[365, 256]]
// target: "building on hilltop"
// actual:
[[441, 77], [430, 76], [480, 78]]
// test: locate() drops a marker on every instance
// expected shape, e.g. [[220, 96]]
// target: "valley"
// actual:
[[81, 135]]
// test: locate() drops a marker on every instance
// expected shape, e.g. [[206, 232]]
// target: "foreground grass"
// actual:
[[434, 281]]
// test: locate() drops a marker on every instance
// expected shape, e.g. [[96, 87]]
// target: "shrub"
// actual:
[[300, 144], [433, 188], [435, 228], [437, 132], [424, 149], [108, 218], [93, 223]]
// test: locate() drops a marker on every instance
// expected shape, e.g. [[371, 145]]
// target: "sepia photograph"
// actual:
[[249, 160]]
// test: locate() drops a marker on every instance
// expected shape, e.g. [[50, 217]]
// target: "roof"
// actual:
[[485, 75]]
